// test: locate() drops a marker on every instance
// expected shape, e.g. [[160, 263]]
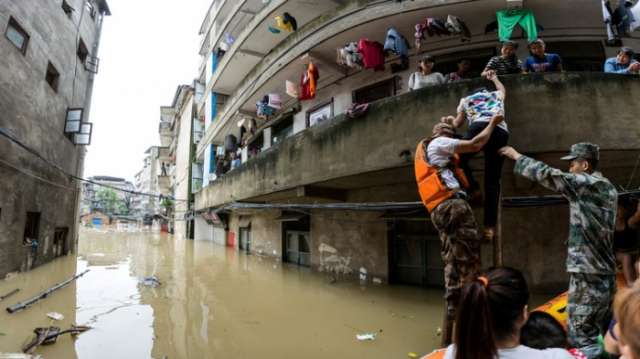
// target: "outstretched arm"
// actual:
[[567, 184], [499, 85], [476, 143], [634, 221]]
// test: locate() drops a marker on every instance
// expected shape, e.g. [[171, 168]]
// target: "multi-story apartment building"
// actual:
[[47, 68], [148, 181], [92, 201], [317, 188]]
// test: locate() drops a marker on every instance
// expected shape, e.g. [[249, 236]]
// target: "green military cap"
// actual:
[[583, 150]]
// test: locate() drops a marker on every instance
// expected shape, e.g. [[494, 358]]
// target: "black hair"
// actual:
[[543, 331], [489, 310]]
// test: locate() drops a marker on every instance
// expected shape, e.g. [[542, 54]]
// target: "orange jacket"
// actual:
[[432, 188]]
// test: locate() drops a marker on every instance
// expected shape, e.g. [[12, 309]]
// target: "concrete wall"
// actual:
[[35, 113], [266, 232], [182, 166], [343, 242], [544, 113]]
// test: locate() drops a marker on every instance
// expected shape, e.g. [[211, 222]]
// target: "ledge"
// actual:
[[544, 114]]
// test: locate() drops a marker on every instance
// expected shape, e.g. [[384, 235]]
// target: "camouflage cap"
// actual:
[[442, 129], [583, 150]]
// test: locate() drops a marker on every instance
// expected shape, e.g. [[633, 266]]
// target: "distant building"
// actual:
[[90, 195], [48, 63]]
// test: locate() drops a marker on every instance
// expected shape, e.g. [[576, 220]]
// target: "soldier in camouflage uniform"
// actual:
[[591, 260]]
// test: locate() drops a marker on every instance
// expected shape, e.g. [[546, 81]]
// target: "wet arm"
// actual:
[[634, 221]]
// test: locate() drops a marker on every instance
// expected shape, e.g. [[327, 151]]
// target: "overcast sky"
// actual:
[[148, 48]]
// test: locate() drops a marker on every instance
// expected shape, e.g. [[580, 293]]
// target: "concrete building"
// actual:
[[90, 194], [47, 68], [309, 153], [177, 130], [150, 180]]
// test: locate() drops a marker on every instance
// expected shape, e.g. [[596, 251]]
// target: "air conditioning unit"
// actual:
[[515, 4]]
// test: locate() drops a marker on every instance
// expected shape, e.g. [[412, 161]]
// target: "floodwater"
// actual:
[[212, 303]]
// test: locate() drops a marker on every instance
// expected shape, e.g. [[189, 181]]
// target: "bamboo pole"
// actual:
[[23, 305]]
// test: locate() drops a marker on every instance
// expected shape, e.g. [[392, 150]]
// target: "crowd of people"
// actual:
[[507, 63], [490, 311]]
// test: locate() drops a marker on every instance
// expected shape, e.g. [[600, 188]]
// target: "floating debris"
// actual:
[[55, 316], [3, 297], [19, 356], [366, 336], [151, 281], [23, 305]]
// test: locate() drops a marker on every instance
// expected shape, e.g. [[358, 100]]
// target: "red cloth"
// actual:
[[577, 354], [309, 82], [372, 54]]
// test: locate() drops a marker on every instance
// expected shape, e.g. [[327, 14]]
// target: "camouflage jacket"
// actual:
[[592, 204]]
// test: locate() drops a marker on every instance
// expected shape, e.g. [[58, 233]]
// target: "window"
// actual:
[[320, 113], [60, 245], [281, 130], [52, 77], [92, 9], [17, 35], [67, 8], [377, 91], [31, 227], [83, 53]]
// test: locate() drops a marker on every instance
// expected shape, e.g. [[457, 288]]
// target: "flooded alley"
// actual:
[[212, 303]]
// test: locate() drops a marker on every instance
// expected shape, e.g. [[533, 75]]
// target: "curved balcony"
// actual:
[[253, 41], [321, 37], [546, 114]]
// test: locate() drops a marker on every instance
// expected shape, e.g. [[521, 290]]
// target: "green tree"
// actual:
[[109, 202]]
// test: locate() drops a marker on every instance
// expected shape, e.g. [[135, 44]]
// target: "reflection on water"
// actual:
[[214, 303]]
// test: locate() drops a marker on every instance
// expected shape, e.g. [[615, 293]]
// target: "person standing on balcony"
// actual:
[[478, 109], [425, 76], [442, 184], [464, 66], [540, 61], [623, 63], [591, 261], [507, 63]]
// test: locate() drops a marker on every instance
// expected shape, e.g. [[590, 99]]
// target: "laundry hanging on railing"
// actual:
[[309, 82], [268, 105], [509, 19], [350, 56], [372, 54], [284, 22], [291, 89], [452, 26], [397, 44]]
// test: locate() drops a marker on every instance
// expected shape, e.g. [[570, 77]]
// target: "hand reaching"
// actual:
[[509, 152]]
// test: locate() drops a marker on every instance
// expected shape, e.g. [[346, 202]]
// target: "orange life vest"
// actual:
[[432, 188]]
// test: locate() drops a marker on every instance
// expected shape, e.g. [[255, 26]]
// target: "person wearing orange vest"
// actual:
[[441, 183]]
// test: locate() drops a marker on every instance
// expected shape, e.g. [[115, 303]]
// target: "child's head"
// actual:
[[627, 310], [543, 331]]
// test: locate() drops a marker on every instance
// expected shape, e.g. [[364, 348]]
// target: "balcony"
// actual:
[[166, 133], [347, 155]]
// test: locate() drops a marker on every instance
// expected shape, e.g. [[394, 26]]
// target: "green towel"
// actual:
[[508, 19]]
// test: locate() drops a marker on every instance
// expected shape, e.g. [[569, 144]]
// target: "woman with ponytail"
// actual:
[[491, 312]]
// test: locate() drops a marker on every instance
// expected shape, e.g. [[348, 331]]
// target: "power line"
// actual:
[[35, 153]]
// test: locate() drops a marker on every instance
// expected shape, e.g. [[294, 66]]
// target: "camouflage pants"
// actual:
[[458, 230], [590, 297]]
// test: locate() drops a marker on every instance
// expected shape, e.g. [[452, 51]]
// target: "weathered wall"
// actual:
[[35, 113], [266, 232], [182, 166], [342, 242]]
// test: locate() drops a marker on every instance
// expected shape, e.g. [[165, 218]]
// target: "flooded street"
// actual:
[[212, 303]]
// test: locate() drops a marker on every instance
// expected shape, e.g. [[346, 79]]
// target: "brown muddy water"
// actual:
[[213, 303]]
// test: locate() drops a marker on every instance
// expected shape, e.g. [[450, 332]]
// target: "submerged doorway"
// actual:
[[414, 253], [245, 240], [296, 239]]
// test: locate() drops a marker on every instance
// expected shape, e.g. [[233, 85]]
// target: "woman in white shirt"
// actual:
[[425, 76], [492, 310]]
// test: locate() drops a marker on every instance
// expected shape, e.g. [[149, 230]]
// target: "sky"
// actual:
[[147, 49]]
